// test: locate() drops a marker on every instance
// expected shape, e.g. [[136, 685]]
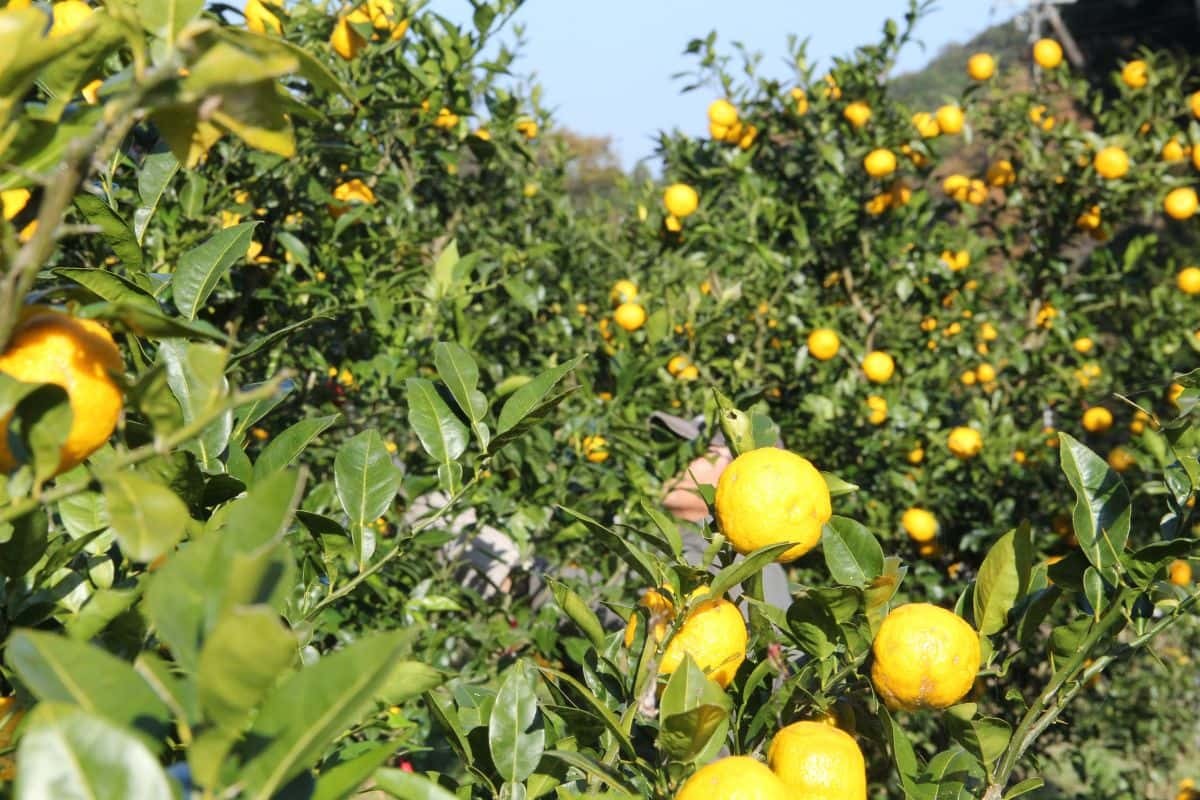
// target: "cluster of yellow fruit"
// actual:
[[725, 125], [627, 313], [350, 193], [682, 368], [376, 16], [924, 657], [922, 527], [681, 201], [595, 449]]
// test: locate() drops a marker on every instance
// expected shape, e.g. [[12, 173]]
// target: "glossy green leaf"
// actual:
[[1003, 579], [515, 741], [366, 481], [579, 613], [166, 18], [304, 714], [61, 670], [148, 518], [115, 231], [441, 432], [67, 753], [285, 448], [745, 568], [158, 168], [23, 543], [347, 777], [244, 655], [460, 373], [852, 553], [1102, 506], [196, 375], [409, 786], [108, 286], [200, 269], [531, 401]]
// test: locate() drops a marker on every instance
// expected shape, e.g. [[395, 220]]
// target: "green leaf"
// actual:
[[366, 481], [311, 68], [595, 707], [62, 79], [532, 400], [814, 626], [305, 713], [115, 231], [852, 553], [1003, 579], [409, 786], [516, 745], [694, 711], [837, 486], [39, 427], [596, 771], [579, 613], [1102, 506], [166, 18], [108, 286], [668, 527], [196, 375], [158, 168], [635, 557], [409, 679], [285, 448], [344, 779], [200, 269], [69, 754], [25, 543], [459, 372], [61, 670], [250, 414], [1024, 787], [148, 518], [243, 656], [441, 432], [904, 755], [745, 568]]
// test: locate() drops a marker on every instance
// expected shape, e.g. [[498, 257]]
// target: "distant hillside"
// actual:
[[946, 76]]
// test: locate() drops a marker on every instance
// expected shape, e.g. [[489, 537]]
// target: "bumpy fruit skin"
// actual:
[[714, 635], [723, 113], [950, 119], [767, 496], [823, 344], [965, 442], [734, 778], [818, 762], [920, 525], [925, 657], [680, 200], [79, 355]]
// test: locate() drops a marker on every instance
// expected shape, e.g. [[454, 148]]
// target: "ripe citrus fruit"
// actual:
[[79, 355], [1097, 419], [767, 496], [1111, 163], [689, 373], [1194, 104], [878, 366], [623, 291], [880, 163], [677, 364], [1180, 572], [1047, 53], [1180, 203], [981, 66], [926, 125], [857, 113], [950, 119], [925, 657], [714, 635], [879, 409], [1188, 280], [595, 449], [823, 344], [734, 778], [1083, 344], [662, 612], [723, 113], [1173, 150], [345, 40], [1135, 74], [986, 373], [965, 442], [350, 193], [681, 200], [919, 524], [630, 316], [1121, 459], [1001, 173], [818, 762], [68, 15]]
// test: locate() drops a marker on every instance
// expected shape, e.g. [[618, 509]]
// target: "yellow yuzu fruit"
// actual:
[[823, 344], [919, 524], [67, 16], [348, 193], [49, 346], [677, 364], [925, 657], [723, 113], [1111, 163], [1180, 203], [767, 496], [714, 635], [986, 373], [981, 66], [857, 113], [878, 366], [1188, 280], [950, 119], [623, 291], [662, 612], [630, 316], [818, 762], [595, 448], [680, 200], [1179, 572], [734, 778], [964, 442], [1083, 344], [1097, 419], [1135, 74], [1047, 53], [926, 125], [1121, 459], [880, 163]]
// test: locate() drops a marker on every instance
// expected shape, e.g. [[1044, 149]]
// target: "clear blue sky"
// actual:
[[606, 65]]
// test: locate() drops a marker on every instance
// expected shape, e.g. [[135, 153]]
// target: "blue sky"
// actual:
[[606, 65]]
